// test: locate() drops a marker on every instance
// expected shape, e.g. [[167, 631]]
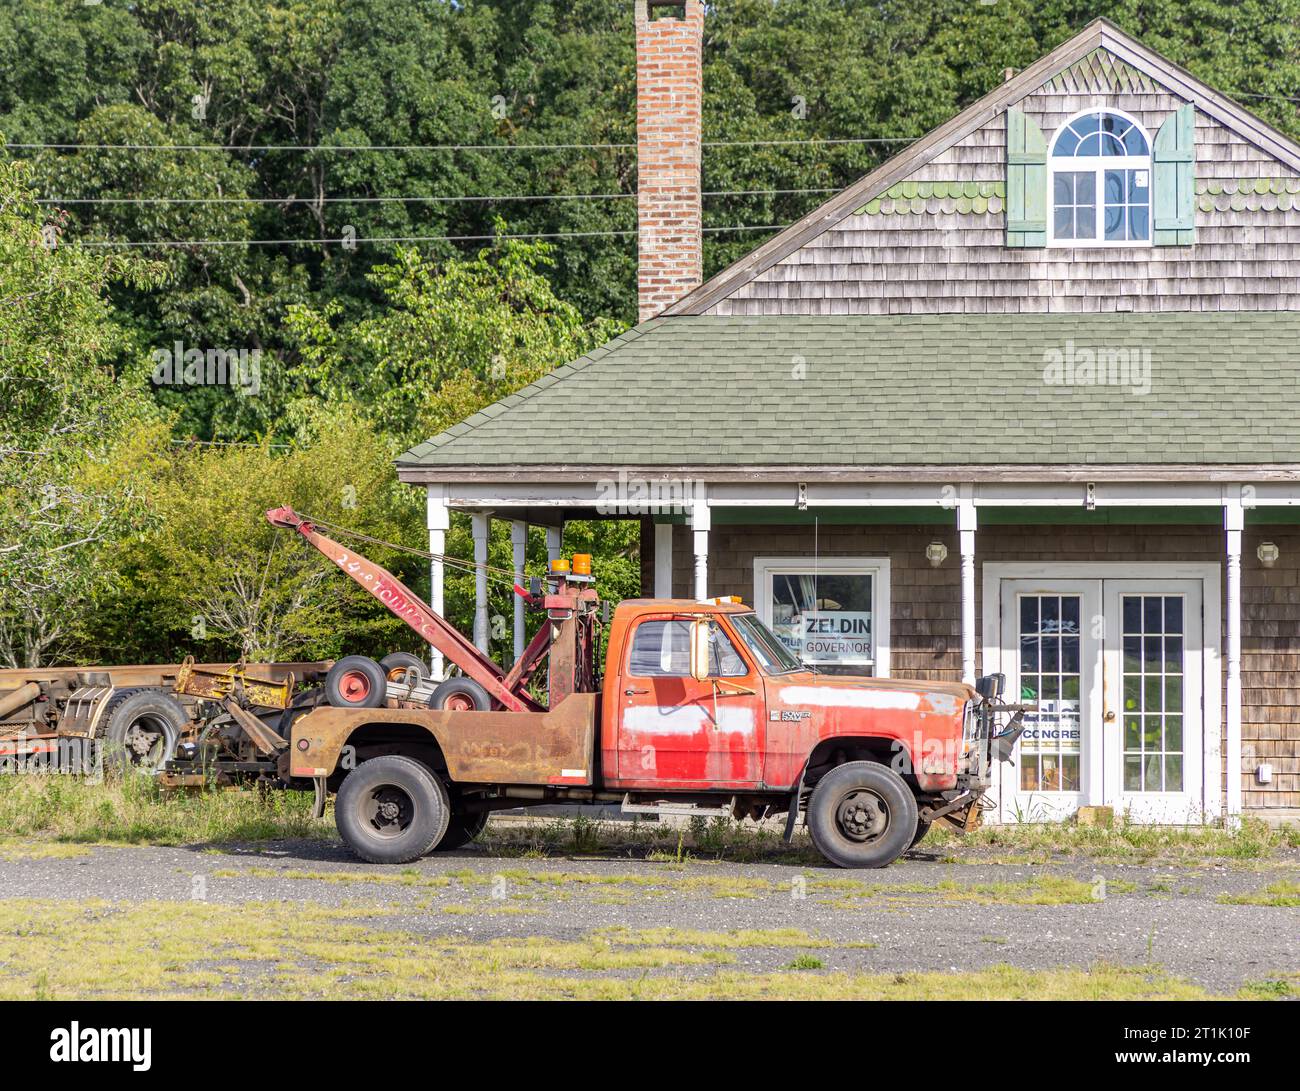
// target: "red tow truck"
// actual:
[[697, 706]]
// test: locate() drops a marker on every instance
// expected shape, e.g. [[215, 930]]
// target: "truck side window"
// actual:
[[662, 649]]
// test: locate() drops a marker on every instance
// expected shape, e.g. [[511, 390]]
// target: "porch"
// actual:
[[1190, 716]]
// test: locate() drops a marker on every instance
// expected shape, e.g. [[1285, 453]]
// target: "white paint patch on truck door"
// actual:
[[687, 719]]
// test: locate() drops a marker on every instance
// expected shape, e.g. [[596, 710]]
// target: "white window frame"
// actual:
[[876, 567], [1098, 165]]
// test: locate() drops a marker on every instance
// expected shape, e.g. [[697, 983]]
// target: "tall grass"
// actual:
[[135, 810]]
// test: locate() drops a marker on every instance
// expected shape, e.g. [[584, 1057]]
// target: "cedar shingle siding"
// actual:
[[925, 606]]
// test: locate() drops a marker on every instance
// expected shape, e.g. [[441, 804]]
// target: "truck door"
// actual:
[[675, 731]]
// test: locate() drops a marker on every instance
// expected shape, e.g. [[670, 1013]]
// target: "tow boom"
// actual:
[[405, 604]]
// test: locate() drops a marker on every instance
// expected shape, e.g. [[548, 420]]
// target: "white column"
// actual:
[[1233, 522], [554, 544], [966, 533], [700, 524], [482, 528], [439, 520], [663, 560], [519, 548]]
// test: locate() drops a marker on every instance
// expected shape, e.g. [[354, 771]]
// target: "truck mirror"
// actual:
[[699, 650]]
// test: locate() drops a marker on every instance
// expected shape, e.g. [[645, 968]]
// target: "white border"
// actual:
[[1209, 573], [874, 566]]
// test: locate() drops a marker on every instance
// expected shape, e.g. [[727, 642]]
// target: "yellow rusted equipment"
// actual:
[[236, 682]]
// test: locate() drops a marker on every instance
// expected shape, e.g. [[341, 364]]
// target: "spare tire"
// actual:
[[460, 695], [141, 729], [396, 664], [356, 681]]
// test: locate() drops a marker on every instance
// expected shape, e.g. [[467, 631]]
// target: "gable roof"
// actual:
[[879, 391], [1100, 34]]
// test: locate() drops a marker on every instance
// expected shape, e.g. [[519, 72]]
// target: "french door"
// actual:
[[1113, 671]]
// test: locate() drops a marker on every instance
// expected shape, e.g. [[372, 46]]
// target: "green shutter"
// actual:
[[1174, 181], [1026, 182]]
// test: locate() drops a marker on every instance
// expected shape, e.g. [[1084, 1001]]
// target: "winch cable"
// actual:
[[500, 575]]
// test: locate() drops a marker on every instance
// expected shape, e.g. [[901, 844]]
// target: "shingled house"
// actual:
[[1023, 399]]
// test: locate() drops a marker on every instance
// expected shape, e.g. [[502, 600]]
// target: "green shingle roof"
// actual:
[[901, 390]]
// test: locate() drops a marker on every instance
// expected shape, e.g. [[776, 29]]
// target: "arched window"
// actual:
[[1100, 181]]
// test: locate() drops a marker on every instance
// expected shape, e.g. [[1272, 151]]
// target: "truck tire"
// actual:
[[461, 830], [141, 730], [391, 810], [356, 681], [862, 815], [462, 695], [396, 664]]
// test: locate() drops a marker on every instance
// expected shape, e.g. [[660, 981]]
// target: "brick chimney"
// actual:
[[669, 90]]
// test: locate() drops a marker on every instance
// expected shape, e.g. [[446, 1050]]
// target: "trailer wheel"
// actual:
[[356, 681], [142, 728], [460, 695], [391, 810], [396, 664], [862, 815], [461, 830]]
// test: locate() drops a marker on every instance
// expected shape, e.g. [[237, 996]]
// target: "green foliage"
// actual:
[[450, 338], [63, 419]]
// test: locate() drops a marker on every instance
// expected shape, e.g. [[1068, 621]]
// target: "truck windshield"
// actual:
[[773, 656]]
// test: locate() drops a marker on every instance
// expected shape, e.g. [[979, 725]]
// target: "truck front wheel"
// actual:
[[391, 810], [862, 815]]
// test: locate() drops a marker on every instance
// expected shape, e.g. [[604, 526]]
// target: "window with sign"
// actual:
[[1100, 181], [831, 613]]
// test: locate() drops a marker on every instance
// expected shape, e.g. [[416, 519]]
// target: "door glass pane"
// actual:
[[1152, 688], [1049, 677]]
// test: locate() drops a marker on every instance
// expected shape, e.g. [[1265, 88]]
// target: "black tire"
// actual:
[[461, 693], [141, 730], [922, 828], [396, 664], [356, 681], [391, 810], [862, 815], [461, 830]]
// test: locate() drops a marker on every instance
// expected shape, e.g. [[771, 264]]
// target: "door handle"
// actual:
[[634, 692], [1110, 716]]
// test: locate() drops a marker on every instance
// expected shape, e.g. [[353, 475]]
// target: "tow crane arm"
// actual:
[[402, 602]]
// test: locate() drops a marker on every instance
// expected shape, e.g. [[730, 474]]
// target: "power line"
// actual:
[[62, 201], [448, 147], [126, 243]]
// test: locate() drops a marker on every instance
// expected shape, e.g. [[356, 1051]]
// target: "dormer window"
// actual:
[[1100, 181]]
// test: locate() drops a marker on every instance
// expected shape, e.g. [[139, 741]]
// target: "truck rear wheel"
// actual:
[[391, 810], [862, 815], [461, 830]]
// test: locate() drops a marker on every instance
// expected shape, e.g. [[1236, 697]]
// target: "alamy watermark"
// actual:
[[181, 366], [1105, 365], [628, 495]]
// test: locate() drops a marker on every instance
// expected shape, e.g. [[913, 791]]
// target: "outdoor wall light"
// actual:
[[936, 553], [1268, 554]]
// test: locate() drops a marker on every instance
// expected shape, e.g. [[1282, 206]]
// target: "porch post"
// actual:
[[663, 561], [519, 549], [700, 523], [482, 526], [438, 521], [554, 544], [966, 532], [1233, 523]]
